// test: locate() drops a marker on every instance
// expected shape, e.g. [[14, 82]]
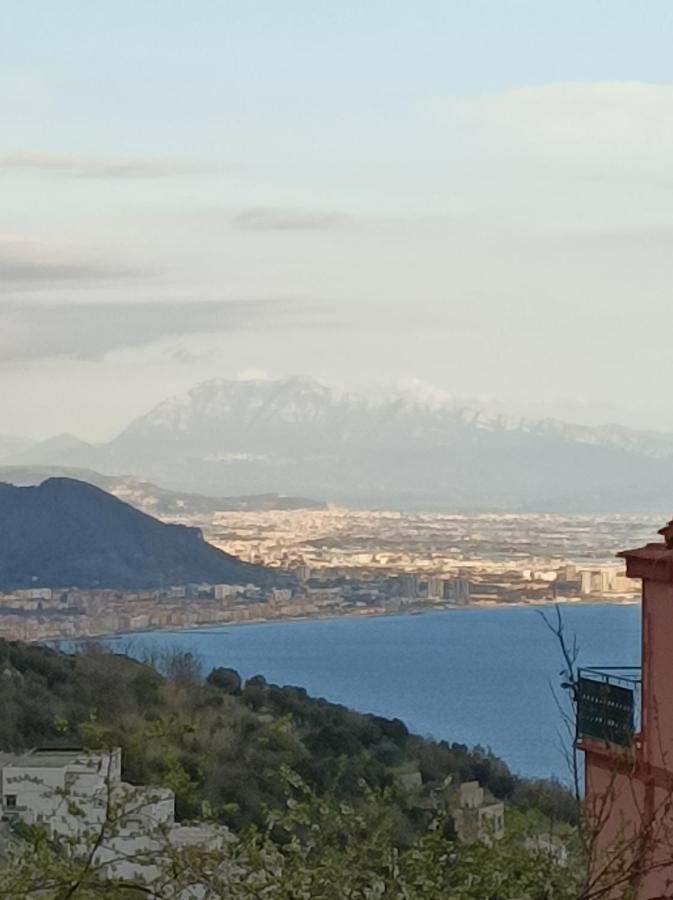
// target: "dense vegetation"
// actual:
[[221, 744], [322, 803], [314, 848]]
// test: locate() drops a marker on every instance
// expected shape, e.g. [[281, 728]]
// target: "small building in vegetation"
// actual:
[[476, 816]]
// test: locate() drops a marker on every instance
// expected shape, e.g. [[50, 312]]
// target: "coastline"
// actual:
[[490, 673], [350, 616]]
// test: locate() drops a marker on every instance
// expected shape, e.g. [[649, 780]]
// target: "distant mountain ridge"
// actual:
[[62, 449], [152, 499], [10, 445], [297, 437], [67, 533]]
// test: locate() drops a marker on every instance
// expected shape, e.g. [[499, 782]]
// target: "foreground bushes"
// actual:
[[221, 744]]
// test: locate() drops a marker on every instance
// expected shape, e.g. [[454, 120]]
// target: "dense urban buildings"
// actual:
[[355, 562]]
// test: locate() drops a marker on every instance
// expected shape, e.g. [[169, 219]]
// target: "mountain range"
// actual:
[[296, 436], [152, 499], [67, 533]]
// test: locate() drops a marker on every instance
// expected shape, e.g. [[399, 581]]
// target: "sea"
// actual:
[[487, 677]]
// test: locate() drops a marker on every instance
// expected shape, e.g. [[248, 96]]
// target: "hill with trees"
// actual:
[[221, 742], [67, 533], [310, 791]]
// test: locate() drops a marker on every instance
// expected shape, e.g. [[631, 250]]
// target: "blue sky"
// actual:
[[212, 79], [473, 197]]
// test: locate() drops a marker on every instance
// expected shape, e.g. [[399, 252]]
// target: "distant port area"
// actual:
[[356, 563]]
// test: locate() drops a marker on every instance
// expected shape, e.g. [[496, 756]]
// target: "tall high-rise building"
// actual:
[[435, 588], [457, 590], [409, 586]]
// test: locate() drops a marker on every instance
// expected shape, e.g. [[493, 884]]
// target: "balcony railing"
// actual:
[[608, 704]]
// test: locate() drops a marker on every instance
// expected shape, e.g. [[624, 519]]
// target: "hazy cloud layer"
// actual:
[[612, 128], [31, 331], [26, 265], [37, 161], [278, 219], [26, 272]]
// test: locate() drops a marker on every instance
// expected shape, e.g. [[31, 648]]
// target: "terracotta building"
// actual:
[[625, 728]]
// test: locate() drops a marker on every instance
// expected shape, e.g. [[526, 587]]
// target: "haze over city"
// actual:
[[471, 199]]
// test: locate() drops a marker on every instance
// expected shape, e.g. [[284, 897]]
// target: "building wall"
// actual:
[[36, 792], [630, 806], [476, 819], [657, 654], [73, 797], [145, 808], [632, 826], [45, 785]]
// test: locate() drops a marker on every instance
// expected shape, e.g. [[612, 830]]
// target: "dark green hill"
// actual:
[[67, 533]]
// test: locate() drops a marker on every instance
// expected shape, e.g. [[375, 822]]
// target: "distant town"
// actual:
[[356, 563]]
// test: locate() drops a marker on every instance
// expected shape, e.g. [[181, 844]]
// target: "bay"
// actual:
[[475, 676]]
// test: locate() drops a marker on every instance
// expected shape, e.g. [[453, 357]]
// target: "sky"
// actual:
[[469, 196]]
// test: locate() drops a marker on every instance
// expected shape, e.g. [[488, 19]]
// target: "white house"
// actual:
[[79, 797]]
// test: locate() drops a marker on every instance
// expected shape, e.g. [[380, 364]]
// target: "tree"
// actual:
[[227, 680]]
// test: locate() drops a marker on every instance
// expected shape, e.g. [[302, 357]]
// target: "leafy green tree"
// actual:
[[227, 680]]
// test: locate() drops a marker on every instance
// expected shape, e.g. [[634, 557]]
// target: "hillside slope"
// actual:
[[229, 740], [66, 533]]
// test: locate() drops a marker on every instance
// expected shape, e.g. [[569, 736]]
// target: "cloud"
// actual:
[[26, 265], [280, 219], [44, 163], [611, 128], [31, 331]]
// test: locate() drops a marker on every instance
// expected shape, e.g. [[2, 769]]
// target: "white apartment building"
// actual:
[[38, 787], [74, 794]]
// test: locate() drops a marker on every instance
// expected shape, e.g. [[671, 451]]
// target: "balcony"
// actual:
[[608, 704]]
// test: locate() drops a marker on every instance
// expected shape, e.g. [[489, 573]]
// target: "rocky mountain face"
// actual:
[[296, 436], [67, 533]]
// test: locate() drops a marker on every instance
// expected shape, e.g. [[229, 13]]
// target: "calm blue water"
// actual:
[[477, 676]]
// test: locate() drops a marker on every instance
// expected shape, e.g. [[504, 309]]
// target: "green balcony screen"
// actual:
[[605, 711]]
